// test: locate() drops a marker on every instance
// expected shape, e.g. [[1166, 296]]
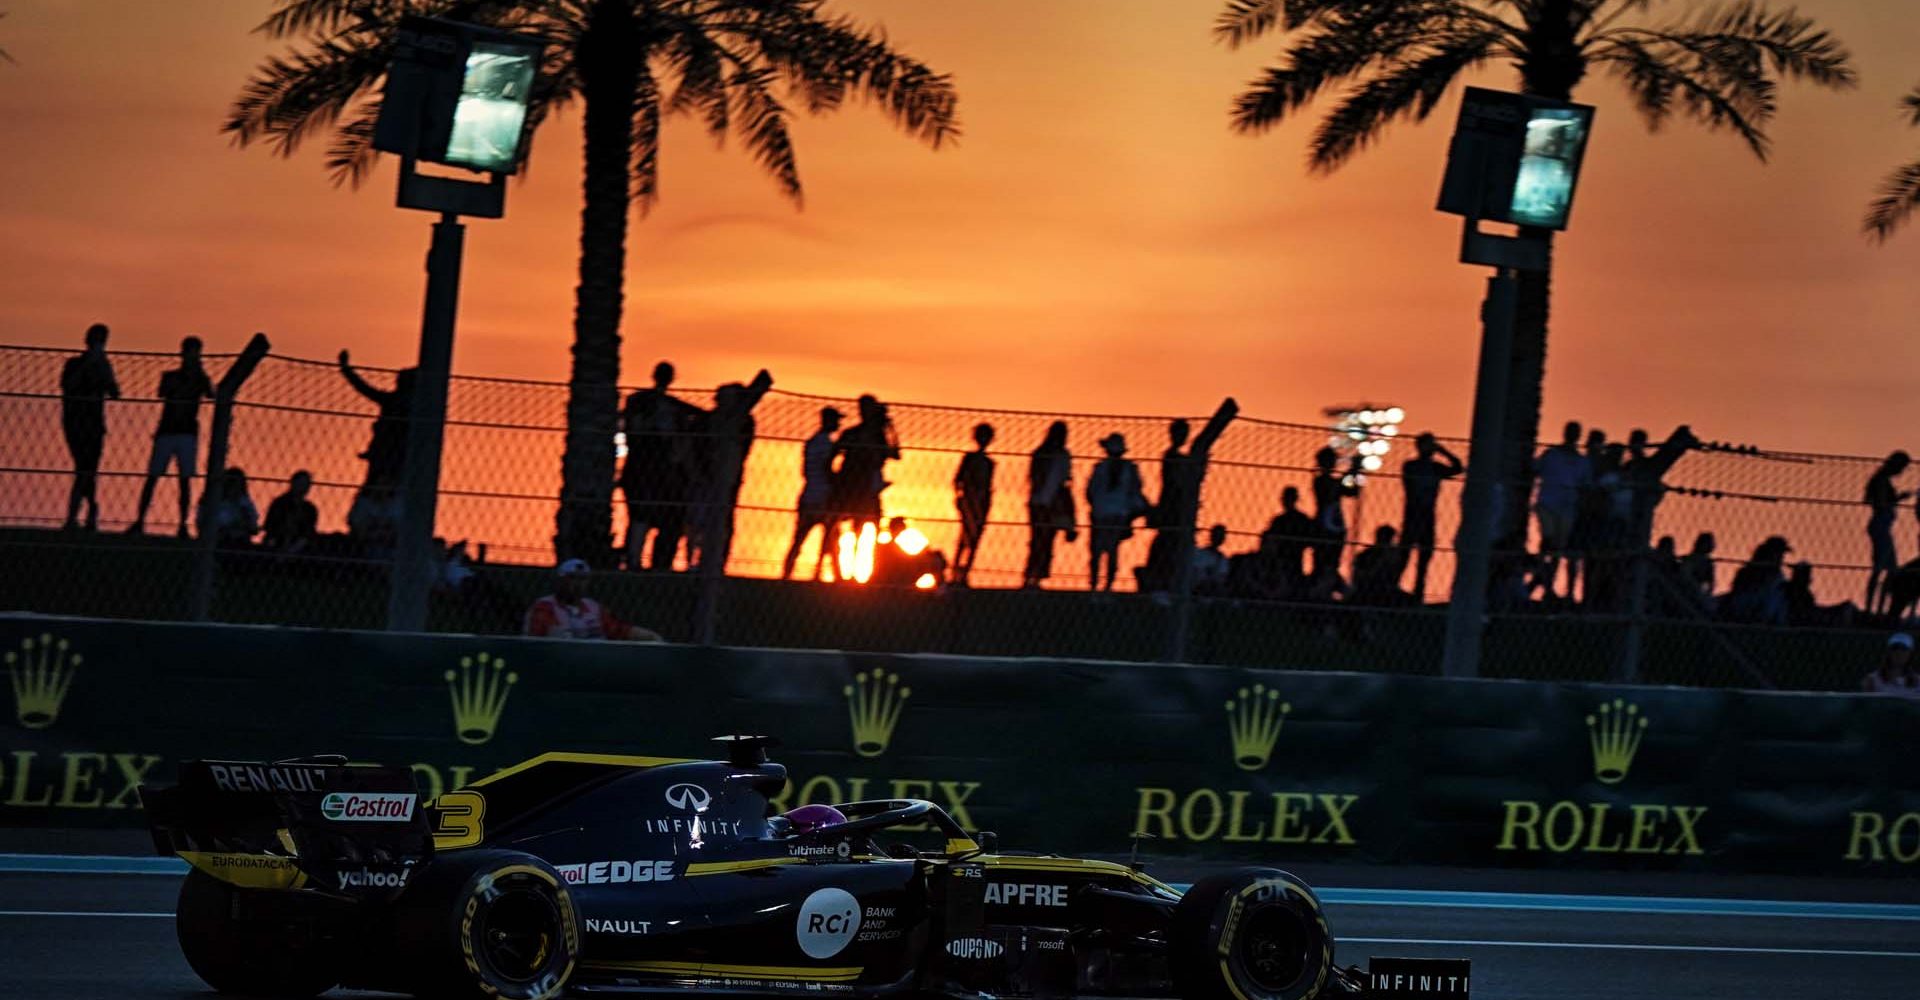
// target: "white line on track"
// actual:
[[77, 913], [1616, 946]]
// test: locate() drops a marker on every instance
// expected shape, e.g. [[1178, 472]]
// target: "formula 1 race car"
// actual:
[[587, 873]]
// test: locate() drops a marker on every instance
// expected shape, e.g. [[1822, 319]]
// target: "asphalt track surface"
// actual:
[[88, 935]]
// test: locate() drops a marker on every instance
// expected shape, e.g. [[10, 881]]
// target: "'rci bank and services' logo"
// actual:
[[1614, 733], [1255, 718], [876, 703]]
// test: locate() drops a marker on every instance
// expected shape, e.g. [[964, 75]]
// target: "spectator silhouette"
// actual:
[[1882, 499], [1050, 508], [292, 519], [568, 613], [973, 500], [1210, 563], [1284, 547], [1564, 474], [1895, 675], [86, 383], [1330, 490], [1377, 571], [657, 477], [228, 513], [1646, 473], [373, 521], [1697, 568], [176, 439], [1590, 513], [865, 450], [1114, 499], [726, 439], [1176, 482], [1758, 595], [816, 486], [1420, 479], [386, 452]]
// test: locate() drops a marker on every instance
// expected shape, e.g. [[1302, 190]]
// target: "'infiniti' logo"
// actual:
[[688, 797]]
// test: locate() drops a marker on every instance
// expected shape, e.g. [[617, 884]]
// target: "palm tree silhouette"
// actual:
[[732, 64], [1718, 65], [1900, 192]]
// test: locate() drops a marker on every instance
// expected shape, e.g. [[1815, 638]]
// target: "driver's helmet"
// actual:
[[806, 819]]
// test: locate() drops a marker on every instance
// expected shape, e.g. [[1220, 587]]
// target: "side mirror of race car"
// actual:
[[989, 842]]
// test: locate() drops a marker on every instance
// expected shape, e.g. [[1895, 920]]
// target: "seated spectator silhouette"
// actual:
[[1895, 674], [228, 513], [86, 383], [1420, 479], [292, 519], [386, 452], [373, 522], [904, 557], [1283, 548], [1758, 595], [176, 439], [1804, 609], [816, 487], [568, 613], [1377, 571], [1114, 499], [973, 501], [1210, 564]]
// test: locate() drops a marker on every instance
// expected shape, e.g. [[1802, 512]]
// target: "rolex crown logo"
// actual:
[[42, 671], [875, 700], [1615, 730], [479, 688], [1254, 718]]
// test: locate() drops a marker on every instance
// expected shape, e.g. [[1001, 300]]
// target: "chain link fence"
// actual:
[[1259, 601]]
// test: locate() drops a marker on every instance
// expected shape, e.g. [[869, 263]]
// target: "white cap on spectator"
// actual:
[[579, 567], [1900, 639]]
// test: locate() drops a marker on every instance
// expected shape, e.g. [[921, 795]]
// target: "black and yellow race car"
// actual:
[[582, 873]]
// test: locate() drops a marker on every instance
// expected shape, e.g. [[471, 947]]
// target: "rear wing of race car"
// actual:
[[311, 822]]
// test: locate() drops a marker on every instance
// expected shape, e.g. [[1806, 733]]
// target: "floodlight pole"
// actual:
[[415, 561], [1479, 505]]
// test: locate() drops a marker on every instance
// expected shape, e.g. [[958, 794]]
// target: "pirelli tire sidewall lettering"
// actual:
[[486, 887], [1240, 906]]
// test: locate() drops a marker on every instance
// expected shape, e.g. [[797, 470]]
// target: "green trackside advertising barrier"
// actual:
[[1265, 766]]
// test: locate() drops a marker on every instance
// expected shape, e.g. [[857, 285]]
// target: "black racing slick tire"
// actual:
[[235, 956], [1251, 934], [488, 924]]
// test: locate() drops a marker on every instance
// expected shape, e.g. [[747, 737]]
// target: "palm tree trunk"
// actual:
[[583, 526]]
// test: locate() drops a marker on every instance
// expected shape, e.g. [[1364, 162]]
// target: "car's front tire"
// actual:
[[1251, 934], [234, 956], [487, 924]]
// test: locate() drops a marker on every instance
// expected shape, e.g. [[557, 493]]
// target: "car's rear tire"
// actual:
[[233, 956], [1251, 934], [487, 924]]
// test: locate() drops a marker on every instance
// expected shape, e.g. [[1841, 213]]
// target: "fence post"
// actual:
[[1627, 670], [213, 488]]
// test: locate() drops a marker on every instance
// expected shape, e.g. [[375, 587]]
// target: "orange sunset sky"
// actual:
[[1098, 240]]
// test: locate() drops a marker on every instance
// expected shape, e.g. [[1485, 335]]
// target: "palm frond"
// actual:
[[1911, 103], [645, 186], [1340, 44], [4, 57], [1245, 20], [1657, 86], [1411, 87], [763, 127], [828, 57], [1899, 195], [296, 94]]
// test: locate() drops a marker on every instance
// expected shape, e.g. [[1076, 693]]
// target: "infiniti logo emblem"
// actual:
[[688, 797]]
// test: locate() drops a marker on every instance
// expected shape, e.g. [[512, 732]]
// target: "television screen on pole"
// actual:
[[489, 119], [458, 94], [1515, 158]]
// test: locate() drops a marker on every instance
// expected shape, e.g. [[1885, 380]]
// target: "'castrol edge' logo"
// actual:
[[368, 807]]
